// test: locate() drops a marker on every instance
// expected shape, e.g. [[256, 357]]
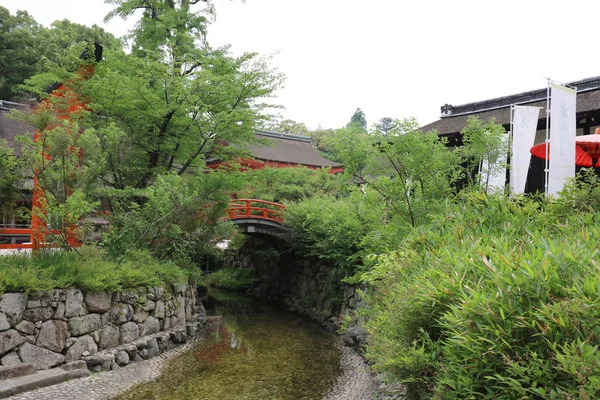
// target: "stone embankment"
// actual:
[[106, 330]]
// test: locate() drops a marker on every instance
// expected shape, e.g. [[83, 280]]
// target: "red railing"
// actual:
[[253, 208]]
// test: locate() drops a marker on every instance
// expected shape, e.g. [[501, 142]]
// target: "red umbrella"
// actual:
[[582, 159], [590, 144]]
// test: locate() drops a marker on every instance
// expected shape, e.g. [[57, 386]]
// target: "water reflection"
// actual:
[[252, 352]]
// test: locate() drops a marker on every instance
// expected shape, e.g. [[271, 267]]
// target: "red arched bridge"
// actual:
[[257, 216], [252, 215]]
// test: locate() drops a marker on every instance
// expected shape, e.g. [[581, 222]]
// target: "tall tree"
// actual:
[[174, 100], [359, 118], [385, 125]]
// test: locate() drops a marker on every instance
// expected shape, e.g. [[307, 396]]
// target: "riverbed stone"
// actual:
[[150, 326], [81, 325], [9, 340], [13, 306], [129, 332], [82, 345], [99, 302], [109, 337], [159, 310], [11, 358], [39, 314], [73, 302], [70, 341], [43, 358], [53, 335], [26, 327], [118, 314]]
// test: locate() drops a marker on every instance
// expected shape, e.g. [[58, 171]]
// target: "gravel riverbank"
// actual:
[[106, 385]]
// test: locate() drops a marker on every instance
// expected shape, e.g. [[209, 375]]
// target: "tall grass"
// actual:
[[89, 270]]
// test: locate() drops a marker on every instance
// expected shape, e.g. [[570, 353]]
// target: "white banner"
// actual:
[[525, 120], [562, 137]]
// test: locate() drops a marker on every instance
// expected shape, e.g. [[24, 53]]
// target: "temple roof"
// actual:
[[454, 118], [286, 148]]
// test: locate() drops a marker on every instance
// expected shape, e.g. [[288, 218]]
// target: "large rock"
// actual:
[[109, 336], [118, 314], [159, 309], [150, 326], [26, 327], [73, 302], [129, 332], [43, 358], [84, 346], [9, 340], [149, 305], [39, 314], [81, 325], [99, 302], [53, 335], [140, 316], [13, 305], [4, 324]]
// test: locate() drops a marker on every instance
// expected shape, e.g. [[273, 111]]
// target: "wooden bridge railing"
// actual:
[[254, 208]]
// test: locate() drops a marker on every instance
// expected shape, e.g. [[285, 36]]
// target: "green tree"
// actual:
[[484, 148], [174, 100], [359, 119], [19, 50], [385, 125]]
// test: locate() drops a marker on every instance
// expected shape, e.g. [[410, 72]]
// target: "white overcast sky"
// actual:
[[391, 58]]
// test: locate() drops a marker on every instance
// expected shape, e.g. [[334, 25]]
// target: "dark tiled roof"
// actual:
[[287, 148], [588, 99], [11, 128]]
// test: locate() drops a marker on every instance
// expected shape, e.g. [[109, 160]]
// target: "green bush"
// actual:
[[91, 270], [496, 298]]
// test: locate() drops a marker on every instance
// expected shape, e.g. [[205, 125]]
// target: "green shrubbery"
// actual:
[[91, 270], [496, 298]]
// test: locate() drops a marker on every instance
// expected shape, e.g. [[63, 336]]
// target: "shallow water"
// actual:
[[254, 352]]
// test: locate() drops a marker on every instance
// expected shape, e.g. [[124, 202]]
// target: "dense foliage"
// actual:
[[91, 270]]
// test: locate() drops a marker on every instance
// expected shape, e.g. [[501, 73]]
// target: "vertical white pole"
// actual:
[[510, 148], [547, 168]]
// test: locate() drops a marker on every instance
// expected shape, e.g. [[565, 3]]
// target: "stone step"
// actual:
[[17, 370], [40, 379]]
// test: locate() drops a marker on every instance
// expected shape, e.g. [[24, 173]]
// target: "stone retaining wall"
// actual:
[[106, 330]]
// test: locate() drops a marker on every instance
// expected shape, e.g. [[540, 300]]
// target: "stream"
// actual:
[[253, 352]]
